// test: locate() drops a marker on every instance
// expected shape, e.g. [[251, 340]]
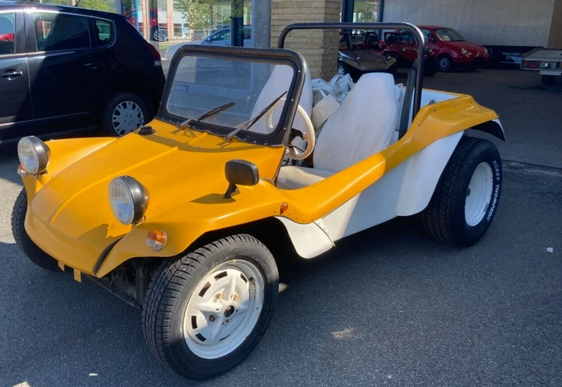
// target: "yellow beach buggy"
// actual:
[[184, 217]]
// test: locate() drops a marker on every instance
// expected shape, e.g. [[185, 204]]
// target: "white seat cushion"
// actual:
[[362, 126], [291, 177]]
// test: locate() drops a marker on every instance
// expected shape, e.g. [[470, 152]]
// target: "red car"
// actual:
[[444, 44], [453, 50], [401, 45]]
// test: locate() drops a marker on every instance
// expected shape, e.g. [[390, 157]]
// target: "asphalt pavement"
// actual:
[[386, 307]]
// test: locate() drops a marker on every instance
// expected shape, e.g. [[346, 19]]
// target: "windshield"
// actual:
[[201, 84], [449, 35]]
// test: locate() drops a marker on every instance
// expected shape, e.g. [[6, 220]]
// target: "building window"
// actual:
[[366, 11]]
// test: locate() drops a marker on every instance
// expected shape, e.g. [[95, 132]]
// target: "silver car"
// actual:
[[220, 37]]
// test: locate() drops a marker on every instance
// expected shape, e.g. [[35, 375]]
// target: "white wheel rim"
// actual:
[[127, 116], [223, 309], [479, 194]]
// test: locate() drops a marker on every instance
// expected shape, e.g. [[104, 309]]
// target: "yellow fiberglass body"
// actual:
[[183, 216], [69, 215]]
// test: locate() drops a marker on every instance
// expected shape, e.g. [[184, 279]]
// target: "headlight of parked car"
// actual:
[[463, 51], [128, 199], [33, 154]]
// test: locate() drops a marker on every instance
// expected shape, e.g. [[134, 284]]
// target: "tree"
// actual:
[[100, 5], [198, 13]]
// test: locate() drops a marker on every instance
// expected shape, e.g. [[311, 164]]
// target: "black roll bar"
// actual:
[[372, 26]]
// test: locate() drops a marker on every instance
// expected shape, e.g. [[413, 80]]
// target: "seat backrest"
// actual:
[[363, 125], [279, 82]]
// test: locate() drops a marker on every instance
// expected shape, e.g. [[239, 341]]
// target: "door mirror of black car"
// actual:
[[240, 172]]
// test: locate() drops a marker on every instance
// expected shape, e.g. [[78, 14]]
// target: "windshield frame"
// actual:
[[280, 136]]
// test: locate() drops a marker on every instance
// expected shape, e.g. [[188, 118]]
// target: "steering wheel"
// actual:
[[308, 135]]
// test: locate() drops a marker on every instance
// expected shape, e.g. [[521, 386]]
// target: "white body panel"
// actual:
[[309, 240], [405, 190]]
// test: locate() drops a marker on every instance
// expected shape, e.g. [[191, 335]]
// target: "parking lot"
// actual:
[[387, 306]]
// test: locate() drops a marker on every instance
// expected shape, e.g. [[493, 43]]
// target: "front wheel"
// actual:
[[444, 63], [430, 68], [466, 198], [24, 242], [204, 312]]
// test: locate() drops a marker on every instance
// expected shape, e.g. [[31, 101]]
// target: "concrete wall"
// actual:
[[319, 48], [489, 22], [555, 38]]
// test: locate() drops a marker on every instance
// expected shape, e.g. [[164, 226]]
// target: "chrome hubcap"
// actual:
[[127, 116]]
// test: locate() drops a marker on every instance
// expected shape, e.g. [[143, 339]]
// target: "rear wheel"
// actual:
[[207, 310], [123, 113], [430, 67], [24, 242], [466, 198], [548, 79]]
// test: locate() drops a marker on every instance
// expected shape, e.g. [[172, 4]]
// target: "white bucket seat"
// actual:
[[363, 125]]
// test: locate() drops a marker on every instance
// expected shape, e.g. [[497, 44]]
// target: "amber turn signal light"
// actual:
[[156, 239]]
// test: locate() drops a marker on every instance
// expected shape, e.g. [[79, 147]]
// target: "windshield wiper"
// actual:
[[248, 124], [206, 114]]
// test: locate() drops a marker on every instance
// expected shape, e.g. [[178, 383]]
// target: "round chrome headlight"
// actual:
[[33, 154], [128, 199]]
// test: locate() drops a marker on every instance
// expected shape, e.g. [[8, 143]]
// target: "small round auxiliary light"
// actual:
[[284, 207], [156, 239]]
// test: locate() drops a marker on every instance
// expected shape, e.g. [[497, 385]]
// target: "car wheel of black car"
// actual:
[[205, 311], [444, 63], [124, 113], [466, 198], [548, 79], [24, 242]]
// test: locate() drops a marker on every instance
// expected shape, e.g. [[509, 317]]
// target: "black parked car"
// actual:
[[65, 69]]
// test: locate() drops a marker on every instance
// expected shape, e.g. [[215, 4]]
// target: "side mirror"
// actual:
[[240, 172]]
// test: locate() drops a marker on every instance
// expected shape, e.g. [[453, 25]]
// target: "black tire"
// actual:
[[444, 63], [548, 79], [430, 67], [445, 217], [26, 245], [172, 288], [124, 100]]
